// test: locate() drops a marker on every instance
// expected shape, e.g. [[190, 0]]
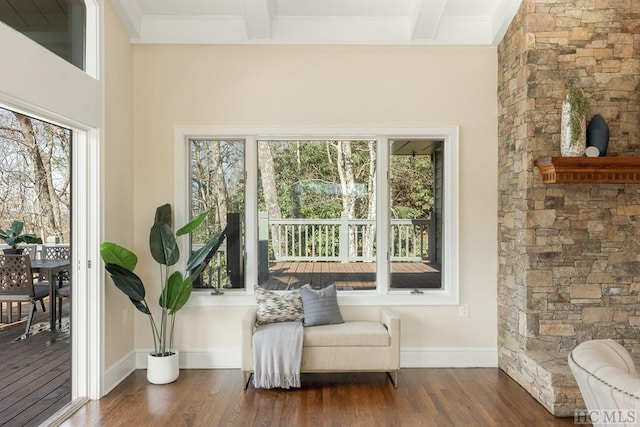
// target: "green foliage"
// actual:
[[176, 287], [13, 236], [412, 180], [579, 112], [308, 182]]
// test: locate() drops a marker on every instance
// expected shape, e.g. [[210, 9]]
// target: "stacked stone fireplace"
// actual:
[[569, 254]]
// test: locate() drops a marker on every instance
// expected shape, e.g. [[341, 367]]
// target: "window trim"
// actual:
[[383, 295]]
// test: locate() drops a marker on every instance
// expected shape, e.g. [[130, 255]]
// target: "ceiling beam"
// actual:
[[258, 15], [425, 18]]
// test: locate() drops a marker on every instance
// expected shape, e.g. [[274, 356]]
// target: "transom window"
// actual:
[[373, 215], [59, 26]]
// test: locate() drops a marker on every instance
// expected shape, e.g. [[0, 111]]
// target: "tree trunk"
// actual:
[[42, 176], [269, 189], [370, 233], [347, 184], [219, 184]]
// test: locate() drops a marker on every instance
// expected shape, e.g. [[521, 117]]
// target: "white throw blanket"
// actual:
[[277, 355]]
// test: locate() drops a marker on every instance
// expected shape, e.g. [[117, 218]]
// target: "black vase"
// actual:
[[598, 134]]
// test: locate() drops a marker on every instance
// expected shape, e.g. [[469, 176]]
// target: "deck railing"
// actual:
[[343, 239]]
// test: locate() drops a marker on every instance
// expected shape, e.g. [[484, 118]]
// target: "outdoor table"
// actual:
[[49, 269]]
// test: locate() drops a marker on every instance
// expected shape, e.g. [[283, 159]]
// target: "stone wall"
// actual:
[[569, 254]]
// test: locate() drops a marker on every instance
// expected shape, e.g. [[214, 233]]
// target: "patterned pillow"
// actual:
[[273, 307], [320, 307]]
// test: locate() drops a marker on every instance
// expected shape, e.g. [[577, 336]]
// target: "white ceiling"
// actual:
[[385, 22]]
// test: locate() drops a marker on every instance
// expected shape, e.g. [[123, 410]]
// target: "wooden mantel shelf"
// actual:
[[589, 169]]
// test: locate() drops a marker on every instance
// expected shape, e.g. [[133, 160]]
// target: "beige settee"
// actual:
[[371, 346]]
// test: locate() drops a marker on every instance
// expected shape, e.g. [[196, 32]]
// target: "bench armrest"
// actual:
[[392, 322], [248, 324]]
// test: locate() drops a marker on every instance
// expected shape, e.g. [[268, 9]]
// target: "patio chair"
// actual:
[[61, 293], [34, 253], [64, 279], [56, 252], [16, 284]]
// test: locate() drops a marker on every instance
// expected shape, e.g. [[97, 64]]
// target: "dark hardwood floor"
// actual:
[[425, 397], [35, 373]]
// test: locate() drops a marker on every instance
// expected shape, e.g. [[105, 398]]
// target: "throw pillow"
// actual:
[[273, 307], [320, 307]]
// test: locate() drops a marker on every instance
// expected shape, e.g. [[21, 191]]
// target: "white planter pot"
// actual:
[[162, 369]]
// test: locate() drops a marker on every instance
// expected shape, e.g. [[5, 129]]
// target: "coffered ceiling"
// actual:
[[381, 22]]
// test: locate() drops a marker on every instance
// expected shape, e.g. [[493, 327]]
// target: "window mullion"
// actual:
[[382, 215], [251, 213]]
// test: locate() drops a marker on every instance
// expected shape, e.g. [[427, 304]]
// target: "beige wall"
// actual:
[[322, 85], [118, 179]]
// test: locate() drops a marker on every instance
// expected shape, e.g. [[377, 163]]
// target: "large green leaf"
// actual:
[[192, 225], [16, 227], [163, 245], [31, 239], [112, 253], [127, 281], [202, 256], [140, 306], [163, 215], [176, 293], [183, 295]]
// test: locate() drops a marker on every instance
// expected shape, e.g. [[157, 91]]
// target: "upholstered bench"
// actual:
[[352, 346]]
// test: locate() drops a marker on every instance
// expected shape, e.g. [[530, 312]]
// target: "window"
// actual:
[[56, 25], [318, 209], [316, 202], [217, 187], [416, 199]]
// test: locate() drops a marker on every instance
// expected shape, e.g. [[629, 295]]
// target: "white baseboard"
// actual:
[[199, 359], [449, 357], [120, 370], [423, 357]]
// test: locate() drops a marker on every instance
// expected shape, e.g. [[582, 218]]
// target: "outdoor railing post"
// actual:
[[263, 247], [344, 238], [431, 247]]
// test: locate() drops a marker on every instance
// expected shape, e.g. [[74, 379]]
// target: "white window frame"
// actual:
[[383, 294]]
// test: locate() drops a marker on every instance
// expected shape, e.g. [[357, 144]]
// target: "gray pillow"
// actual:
[[320, 307], [273, 307]]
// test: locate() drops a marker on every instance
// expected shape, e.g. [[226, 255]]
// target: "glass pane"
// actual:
[[416, 214], [56, 25], [217, 186], [317, 214]]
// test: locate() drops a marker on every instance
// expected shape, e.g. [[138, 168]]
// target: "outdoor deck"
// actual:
[[35, 373], [350, 276]]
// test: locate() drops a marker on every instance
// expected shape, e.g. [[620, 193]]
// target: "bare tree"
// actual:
[[348, 186], [370, 231], [269, 189], [48, 200]]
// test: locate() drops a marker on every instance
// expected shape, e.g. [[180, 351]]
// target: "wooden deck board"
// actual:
[[350, 276], [35, 373]]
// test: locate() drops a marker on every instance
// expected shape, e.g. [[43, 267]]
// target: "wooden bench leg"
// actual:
[[393, 376], [246, 377]]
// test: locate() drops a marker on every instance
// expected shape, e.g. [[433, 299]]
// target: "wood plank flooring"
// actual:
[[35, 373], [425, 397]]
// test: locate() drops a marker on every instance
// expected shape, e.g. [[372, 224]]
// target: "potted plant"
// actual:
[[175, 286], [14, 235], [575, 109]]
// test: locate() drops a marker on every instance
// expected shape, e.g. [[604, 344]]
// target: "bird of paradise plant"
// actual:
[[176, 287]]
